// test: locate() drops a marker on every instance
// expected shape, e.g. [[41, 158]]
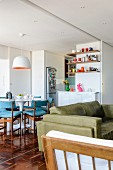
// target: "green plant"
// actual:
[[20, 94], [66, 82], [66, 85]]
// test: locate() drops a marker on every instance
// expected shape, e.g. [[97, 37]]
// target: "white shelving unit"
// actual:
[[90, 78], [100, 81]]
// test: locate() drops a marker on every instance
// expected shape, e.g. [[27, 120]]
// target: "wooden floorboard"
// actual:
[[21, 154]]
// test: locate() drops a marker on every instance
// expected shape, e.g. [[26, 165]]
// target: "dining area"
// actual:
[[26, 100], [20, 109], [18, 114]]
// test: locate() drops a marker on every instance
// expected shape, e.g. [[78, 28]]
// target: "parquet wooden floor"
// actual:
[[21, 154]]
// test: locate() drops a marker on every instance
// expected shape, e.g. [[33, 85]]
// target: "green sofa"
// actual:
[[88, 119]]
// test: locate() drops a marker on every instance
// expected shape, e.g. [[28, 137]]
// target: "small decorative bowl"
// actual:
[[19, 97], [26, 97]]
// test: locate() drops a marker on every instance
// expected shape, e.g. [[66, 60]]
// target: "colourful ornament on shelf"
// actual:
[[66, 85], [80, 89]]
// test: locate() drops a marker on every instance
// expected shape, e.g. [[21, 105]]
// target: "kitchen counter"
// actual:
[[77, 92], [68, 97]]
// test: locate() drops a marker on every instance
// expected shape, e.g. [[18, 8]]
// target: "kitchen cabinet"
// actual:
[[66, 98]]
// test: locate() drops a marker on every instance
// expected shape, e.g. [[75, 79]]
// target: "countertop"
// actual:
[[76, 92]]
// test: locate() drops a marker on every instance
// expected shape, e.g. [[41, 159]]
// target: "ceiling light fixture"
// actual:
[[104, 23], [83, 6], [21, 62], [35, 20]]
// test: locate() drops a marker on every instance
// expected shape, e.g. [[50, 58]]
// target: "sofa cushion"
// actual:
[[72, 109], [108, 109], [107, 130], [93, 109], [105, 119]]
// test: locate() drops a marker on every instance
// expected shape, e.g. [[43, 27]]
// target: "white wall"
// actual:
[[107, 74], [3, 52], [16, 81], [38, 70], [20, 80], [4, 70], [56, 61], [4, 78], [41, 60]]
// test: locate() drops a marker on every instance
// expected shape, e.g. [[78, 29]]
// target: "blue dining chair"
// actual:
[[15, 108], [30, 106], [36, 113], [32, 103], [9, 116], [50, 104]]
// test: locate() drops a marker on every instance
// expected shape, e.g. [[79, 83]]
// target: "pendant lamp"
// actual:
[[21, 62]]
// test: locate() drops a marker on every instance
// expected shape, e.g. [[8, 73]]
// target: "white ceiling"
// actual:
[[54, 26]]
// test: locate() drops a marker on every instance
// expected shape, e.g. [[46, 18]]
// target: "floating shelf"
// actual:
[[89, 72], [71, 73], [77, 53], [82, 62]]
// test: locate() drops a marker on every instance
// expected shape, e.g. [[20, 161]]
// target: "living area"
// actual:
[[80, 49]]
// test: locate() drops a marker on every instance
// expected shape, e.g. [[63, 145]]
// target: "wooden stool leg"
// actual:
[[5, 128], [20, 126], [34, 127], [12, 130], [24, 123], [42, 156]]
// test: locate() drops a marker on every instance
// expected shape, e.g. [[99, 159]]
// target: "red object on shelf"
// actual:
[[78, 70], [75, 59], [86, 49], [71, 89], [82, 69], [79, 59], [82, 49]]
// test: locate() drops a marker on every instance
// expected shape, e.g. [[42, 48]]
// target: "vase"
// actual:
[[67, 87]]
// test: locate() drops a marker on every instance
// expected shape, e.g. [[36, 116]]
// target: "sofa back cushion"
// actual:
[[72, 109], [93, 109]]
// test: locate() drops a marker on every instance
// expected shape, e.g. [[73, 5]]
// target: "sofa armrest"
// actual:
[[75, 120], [108, 110], [44, 127]]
